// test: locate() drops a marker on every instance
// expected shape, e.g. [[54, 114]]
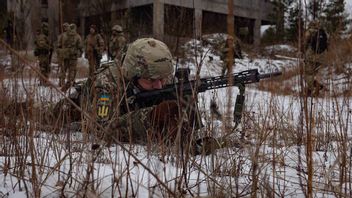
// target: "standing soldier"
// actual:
[[117, 44], [61, 55], [72, 48], [43, 51], [225, 50], [94, 46], [316, 42]]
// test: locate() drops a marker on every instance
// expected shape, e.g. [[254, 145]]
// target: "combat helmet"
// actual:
[[148, 58], [65, 26], [117, 28], [44, 25], [72, 29], [45, 28]]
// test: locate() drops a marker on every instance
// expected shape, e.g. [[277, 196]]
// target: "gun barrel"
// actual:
[[269, 75]]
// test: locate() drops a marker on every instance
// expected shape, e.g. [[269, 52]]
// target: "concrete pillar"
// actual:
[[198, 18], [256, 32], [158, 19], [198, 14]]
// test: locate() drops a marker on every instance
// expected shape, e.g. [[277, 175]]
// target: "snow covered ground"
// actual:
[[271, 162]]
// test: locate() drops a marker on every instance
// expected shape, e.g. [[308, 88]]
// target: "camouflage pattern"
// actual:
[[43, 50], [45, 28], [94, 48], [312, 59], [147, 58], [119, 129], [117, 28], [117, 44], [71, 50], [111, 100], [225, 50], [112, 88]]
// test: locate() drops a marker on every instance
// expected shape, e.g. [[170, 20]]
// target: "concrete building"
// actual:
[[181, 18], [168, 20]]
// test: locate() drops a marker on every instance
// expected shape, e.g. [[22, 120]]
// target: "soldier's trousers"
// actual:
[[61, 72], [44, 65], [311, 68], [68, 71], [94, 63]]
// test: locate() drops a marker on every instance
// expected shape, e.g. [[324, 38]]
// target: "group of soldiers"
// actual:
[[70, 47], [147, 65]]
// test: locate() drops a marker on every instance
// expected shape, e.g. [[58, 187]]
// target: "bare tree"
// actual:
[[22, 29]]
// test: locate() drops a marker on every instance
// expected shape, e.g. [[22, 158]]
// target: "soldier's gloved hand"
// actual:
[[164, 119]]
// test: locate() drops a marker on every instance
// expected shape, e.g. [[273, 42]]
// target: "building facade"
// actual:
[[163, 19], [182, 18]]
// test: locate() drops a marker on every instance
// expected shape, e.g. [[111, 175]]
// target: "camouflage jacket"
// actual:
[[71, 46], [114, 109], [117, 46], [236, 50], [42, 45], [59, 46], [94, 45]]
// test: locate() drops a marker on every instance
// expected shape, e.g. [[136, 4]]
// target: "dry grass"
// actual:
[[282, 137]]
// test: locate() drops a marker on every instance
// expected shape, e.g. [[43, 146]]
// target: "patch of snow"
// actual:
[[287, 48], [136, 172]]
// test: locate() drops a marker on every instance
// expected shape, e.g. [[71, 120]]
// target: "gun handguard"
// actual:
[[174, 91]]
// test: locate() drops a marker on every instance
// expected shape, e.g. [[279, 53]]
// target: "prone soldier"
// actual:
[[147, 66], [134, 103]]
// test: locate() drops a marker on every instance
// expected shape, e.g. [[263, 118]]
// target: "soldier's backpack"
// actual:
[[319, 41]]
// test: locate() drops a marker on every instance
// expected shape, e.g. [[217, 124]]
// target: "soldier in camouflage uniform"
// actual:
[[71, 50], [61, 54], [43, 51], [94, 48], [315, 45], [225, 50], [117, 44], [147, 66]]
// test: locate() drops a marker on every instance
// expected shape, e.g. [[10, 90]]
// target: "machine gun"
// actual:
[[187, 87]]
